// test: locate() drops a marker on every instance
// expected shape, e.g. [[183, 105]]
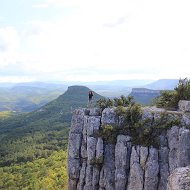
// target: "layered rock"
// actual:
[[94, 164]]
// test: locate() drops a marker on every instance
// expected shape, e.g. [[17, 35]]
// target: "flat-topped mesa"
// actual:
[[97, 164]]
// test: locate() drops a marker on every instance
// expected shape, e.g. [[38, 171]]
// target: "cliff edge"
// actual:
[[96, 164]]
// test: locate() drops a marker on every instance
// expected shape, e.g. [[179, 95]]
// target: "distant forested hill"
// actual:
[[144, 96], [22, 98]]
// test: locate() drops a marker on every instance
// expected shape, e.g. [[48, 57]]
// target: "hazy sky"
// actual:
[[94, 40]]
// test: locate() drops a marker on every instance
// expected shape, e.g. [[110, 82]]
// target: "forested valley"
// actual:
[[33, 145]]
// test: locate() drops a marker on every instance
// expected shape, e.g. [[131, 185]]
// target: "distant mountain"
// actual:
[[123, 83], [163, 84], [60, 108], [28, 98], [111, 91], [42, 85], [144, 96], [38, 133]]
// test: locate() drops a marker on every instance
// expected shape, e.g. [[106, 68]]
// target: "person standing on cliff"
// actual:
[[90, 95]]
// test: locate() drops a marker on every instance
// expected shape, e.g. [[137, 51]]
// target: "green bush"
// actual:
[[108, 133], [170, 99], [144, 132], [167, 100], [183, 89], [104, 103], [123, 101]]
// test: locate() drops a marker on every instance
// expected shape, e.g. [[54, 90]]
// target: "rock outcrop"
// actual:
[[179, 179], [94, 164]]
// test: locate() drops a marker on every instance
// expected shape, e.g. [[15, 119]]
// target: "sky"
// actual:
[[94, 40]]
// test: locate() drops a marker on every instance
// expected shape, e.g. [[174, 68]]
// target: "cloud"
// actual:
[[1, 18], [65, 3], [104, 40], [9, 39], [119, 21], [16, 69], [44, 5], [16, 79], [9, 46]]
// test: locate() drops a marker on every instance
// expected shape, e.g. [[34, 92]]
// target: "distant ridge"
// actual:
[[22, 98], [163, 84], [58, 110], [75, 96], [144, 96]]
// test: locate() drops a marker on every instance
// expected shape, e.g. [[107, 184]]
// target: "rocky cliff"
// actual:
[[143, 95], [94, 164]]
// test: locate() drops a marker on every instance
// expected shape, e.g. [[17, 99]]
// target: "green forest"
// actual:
[[33, 145], [44, 173]]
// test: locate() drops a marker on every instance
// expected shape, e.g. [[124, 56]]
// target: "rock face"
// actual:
[[179, 179], [97, 165], [184, 105]]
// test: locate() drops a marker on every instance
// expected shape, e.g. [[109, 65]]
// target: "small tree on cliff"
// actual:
[[170, 99]]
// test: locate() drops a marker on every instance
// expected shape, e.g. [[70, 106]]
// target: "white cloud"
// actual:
[[1, 18], [42, 5], [9, 39], [16, 79], [106, 40], [9, 45]]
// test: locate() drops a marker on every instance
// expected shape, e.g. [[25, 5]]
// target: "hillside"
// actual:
[[163, 84], [37, 134], [28, 97], [144, 96]]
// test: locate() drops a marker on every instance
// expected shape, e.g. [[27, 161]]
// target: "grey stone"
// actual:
[[77, 121], [91, 149], [73, 168], [184, 105], [109, 116], [144, 152], [84, 131], [82, 177], [163, 139], [173, 144], [185, 120], [136, 175], [179, 179], [89, 175], [72, 184], [107, 179], [147, 113], [122, 160], [164, 167], [97, 165], [84, 149], [74, 145], [151, 170], [95, 112], [95, 178], [184, 147], [93, 125], [100, 150]]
